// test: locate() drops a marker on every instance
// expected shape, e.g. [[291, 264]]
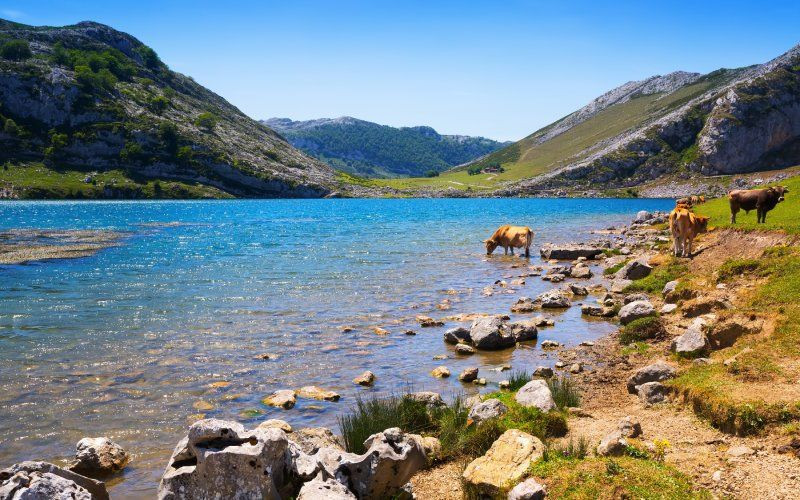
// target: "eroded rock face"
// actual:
[[506, 462], [725, 333], [704, 305], [45, 481], [489, 334], [220, 459], [99, 457], [636, 310], [327, 489], [391, 459], [655, 372], [485, 410], [536, 393]]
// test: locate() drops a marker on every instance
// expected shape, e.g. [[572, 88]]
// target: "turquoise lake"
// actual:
[[127, 343]]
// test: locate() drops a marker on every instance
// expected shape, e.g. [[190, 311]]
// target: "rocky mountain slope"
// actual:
[[726, 122], [91, 103], [372, 150]]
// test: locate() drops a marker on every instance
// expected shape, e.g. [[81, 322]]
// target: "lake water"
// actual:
[[127, 343]]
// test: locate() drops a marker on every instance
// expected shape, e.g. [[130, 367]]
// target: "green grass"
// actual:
[[783, 217], [613, 269], [370, 416], [36, 181], [565, 392], [641, 329], [606, 478], [517, 379], [660, 276]]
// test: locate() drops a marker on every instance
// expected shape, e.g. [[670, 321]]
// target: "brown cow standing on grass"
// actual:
[[685, 226], [510, 237], [762, 200]]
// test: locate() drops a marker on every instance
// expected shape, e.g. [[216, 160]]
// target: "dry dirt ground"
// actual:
[[696, 448]]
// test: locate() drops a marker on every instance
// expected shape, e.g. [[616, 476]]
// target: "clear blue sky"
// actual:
[[501, 69]]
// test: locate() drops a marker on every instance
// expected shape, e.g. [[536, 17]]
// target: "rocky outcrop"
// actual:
[[636, 310], [490, 334], [506, 462], [656, 372], [45, 481]]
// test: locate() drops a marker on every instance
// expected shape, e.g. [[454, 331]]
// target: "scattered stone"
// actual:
[[312, 439], [632, 297], [324, 489], [504, 384], [440, 357], [480, 381], [506, 462], [553, 299], [629, 427], [613, 445], [99, 457], [536, 393], [619, 285], [586, 343], [380, 331], [523, 305], [523, 330], [656, 372], [668, 308], [285, 399], [693, 342], [560, 364], [489, 334], [652, 392], [716, 476], [581, 271], [549, 344], [578, 412], [543, 371], [367, 378], [634, 270], [427, 321], [457, 335], [465, 349], [485, 410], [505, 367], [596, 311], [410, 332], [730, 361], [702, 361], [578, 289], [636, 310], [541, 321], [527, 490], [669, 287], [440, 372], [276, 423], [45, 481], [554, 278], [568, 252], [266, 356], [468, 375], [740, 451], [576, 368], [314, 392], [431, 399]]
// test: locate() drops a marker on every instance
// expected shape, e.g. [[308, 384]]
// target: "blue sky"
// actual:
[[498, 69]]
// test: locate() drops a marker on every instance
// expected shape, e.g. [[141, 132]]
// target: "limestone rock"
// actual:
[[328, 489], [456, 335], [629, 427], [367, 378], [485, 410], [527, 490], [655, 372], [536, 393], [523, 305], [440, 372], [430, 399], [276, 424], [392, 457], [652, 392], [468, 375], [489, 334], [314, 392], [45, 481], [635, 310], [523, 330], [285, 398], [99, 457], [506, 462], [311, 439], [613, 445]]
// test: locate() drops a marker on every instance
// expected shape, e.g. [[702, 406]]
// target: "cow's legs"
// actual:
[[527, 251], [512, 250], [734, 210], [505, 250], [688, 247], [676, 245]]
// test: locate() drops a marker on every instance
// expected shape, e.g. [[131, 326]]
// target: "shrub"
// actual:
[[378, 414], [92, 82], [10, 127], [565, 392], [474, 170], [431, 173], [149, 57], [184, 155], [206, 121], [642, 329], [168, 133], [158, 104], [60, 55], [130, 152], [16, 50]]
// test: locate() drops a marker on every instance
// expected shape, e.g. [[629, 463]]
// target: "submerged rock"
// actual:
[[314, 392], [489, 334], [99, 457], [285, 399]]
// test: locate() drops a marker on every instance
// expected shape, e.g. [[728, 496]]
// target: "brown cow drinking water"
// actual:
[[510, 237], [760, 200]]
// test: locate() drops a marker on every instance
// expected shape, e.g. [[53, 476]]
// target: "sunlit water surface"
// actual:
[[127, 343]]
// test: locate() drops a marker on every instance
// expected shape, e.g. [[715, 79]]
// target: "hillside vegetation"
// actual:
[[371, 150], [87, 104]]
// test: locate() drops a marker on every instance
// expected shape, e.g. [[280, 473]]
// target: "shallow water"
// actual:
[[127, 343]]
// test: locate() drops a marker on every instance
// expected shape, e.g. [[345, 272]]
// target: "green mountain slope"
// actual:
[[88, 111], [372, 150]]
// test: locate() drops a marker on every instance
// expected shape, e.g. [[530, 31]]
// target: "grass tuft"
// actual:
[[378, 414], [565, 392], [660, 276], [642, 329], [517, 379]]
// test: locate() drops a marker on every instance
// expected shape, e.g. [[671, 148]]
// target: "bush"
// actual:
[[92, 82], [168, 133], [474, 170], [184, 155], [642, 329], [206, 121], [11, 127], [158, 104], [131, 152], [565, 392], [431, 173], [16, 50], [378, 414], [149, 57]]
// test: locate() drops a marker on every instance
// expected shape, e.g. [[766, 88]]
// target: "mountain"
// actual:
[[680, 125], [88, 111], [372, 150]]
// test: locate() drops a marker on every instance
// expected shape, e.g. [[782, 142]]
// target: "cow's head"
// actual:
[[780, 191], [702, 223], [490, 246]]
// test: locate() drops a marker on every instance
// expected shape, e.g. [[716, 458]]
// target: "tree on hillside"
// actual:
[[206, 121], [16, 50]]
